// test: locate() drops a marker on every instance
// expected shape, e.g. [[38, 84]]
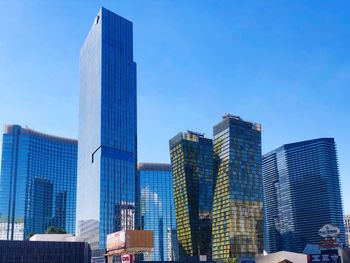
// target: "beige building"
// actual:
[[347, 228], [282, 256], [55, 238]]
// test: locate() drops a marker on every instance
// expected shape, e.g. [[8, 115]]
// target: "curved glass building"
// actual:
[[301, 194], [37, 183]]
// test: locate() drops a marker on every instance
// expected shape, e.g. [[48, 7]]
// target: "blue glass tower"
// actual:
[[158, 211], [107, 155], [301, 194], [37, 183]]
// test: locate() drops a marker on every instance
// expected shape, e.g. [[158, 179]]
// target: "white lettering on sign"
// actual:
[[329, 231], [126, 258]]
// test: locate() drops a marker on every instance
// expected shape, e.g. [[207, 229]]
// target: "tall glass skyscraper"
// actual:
[[238, 203], [107, 154], [301, 194], [158, 211], [192, 166], [37, 183]]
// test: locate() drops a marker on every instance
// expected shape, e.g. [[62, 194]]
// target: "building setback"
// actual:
[[301, 194], [107, 154], [237, 204], [158, 211], [37, 183], [192, 166]]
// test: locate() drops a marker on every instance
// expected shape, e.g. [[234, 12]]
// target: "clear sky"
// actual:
[[284, 64]]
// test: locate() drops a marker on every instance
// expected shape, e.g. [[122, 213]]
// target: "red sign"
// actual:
[[126, 258]]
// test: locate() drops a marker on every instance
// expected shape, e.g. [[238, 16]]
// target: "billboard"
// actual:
[[128, 241], [116, 241]]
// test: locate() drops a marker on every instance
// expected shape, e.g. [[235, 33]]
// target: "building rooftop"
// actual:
[[55, 238], [295, 144], [188, 136], [154, 167], [9, 127]]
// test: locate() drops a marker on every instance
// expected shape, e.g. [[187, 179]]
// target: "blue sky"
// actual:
[[284, 64]]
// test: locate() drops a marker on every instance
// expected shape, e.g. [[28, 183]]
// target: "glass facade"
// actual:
[[237, 204], [192, 166], [37, 183], [301, 194], [158, 211], [107, 154]]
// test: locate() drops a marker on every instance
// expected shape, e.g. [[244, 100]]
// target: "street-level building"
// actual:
[[88, 231], [347, 228], [14, 251], [282, 257], [55, 238]]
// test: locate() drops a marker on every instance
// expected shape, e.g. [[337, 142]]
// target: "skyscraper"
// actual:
[[192, 166], [301, 194], [37, 183], [107, 154], [157, 210], [237, 204]]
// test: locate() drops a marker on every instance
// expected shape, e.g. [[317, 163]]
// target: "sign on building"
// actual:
[[329, 256], [116, 241], [127, 258], [329, 231]]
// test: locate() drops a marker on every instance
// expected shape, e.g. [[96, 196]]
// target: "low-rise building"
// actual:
[[44, 251], [89, 231], [56, 238], [282, 256], [347, 228]]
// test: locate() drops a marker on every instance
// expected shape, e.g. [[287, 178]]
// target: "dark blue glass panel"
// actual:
[[37, 183], [301, 194], [107, 128]]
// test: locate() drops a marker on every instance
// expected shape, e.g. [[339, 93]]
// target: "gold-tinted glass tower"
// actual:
[[237, 205], [192, 168]]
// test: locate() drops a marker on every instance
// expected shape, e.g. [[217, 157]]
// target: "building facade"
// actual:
[[347, 228], [192, 167], [15, 251], [301, 194], [238, 201], [107, 154], [157, 210], [89, 231], [37, 183]]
